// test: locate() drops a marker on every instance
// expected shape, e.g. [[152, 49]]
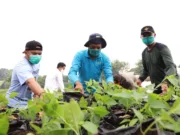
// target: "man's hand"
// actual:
[[164, 88], [139, 82], [79, 87]]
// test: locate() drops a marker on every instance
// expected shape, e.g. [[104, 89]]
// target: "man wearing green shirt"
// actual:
[[157, 60]]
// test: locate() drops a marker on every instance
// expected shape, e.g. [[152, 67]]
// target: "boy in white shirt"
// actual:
[[54, 80]]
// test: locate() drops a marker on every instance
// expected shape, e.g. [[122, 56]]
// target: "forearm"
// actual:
[[34, 86], [143, 76]]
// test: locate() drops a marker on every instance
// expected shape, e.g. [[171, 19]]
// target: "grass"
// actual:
[[1, 82]]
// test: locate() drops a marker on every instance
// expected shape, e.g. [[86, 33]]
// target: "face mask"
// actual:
[[34, 59], [94, 52], [148, 40], [62, 71]]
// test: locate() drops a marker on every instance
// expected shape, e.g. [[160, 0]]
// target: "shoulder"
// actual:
[[160, 46], [23, 64], [82, 52], [104, 56]]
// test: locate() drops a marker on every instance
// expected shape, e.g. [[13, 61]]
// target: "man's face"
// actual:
[[95, 46], [28, 53]]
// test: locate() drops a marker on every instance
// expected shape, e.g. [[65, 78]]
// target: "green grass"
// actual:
[[1, 82]]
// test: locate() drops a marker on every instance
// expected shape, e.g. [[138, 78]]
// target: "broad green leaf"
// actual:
[[133, 122], [3, 101], [90, 127], [13, 94], [95, 119], [4, 124], [137, 96], [83, 103], [73, 115], [38, 129], [53, 125], [138, 114], [176, 107], [154, 102], [100, 110]]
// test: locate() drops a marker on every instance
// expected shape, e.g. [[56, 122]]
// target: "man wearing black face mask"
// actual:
[[157, 60], [89, 64]]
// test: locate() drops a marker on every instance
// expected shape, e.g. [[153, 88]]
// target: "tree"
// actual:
[[138, 69], [4, 73], [119, 66], [41, 81]]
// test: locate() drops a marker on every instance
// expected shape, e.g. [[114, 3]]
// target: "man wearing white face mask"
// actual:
[[157, 60], [54, 80]]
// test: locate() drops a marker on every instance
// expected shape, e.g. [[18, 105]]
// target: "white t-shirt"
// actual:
[[54, 81]]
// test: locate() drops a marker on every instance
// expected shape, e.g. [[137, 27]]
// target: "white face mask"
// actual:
[[62, 71]]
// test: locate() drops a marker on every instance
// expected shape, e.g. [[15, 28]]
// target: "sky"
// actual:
[[64, 26]]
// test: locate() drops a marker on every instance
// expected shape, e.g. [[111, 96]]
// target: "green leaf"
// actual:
[[154, 102], [133, 122], [73, 115], [4, 124], [83, 103], [90, 127], [13, 94], [100, 110], [38, 129], [95, 119], [176, 107], [138, 114]]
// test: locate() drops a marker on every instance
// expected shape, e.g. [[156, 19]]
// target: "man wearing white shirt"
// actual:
[[54, 80]]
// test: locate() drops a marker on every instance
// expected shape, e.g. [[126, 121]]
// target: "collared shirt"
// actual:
[[23, 71], [54, 81], [84, 68]]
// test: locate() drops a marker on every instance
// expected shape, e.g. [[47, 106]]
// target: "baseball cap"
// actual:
[[147, 29], [33, 45], [96, 38]]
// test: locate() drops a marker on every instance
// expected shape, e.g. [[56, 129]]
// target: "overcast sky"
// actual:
[[63, 27]]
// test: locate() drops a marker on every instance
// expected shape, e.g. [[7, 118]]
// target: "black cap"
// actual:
[[147, 29], [33, 45], [96, 39]]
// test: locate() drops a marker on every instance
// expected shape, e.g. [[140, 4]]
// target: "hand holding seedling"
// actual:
[[164, 88], [79, 87]]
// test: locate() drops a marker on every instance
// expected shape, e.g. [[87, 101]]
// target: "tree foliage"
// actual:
[[138, 69], [119, 66]]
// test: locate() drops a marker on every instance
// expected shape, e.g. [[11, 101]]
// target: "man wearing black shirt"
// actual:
[[157, 60]]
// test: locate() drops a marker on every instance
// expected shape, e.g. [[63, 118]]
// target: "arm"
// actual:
[[145, 72], [168, 61], [25, 76], [72, 75], [60, 81], [34, 86], [108, 70], [76, 64], [170, 67]]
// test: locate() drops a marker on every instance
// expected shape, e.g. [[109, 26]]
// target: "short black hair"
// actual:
[[61, 64]]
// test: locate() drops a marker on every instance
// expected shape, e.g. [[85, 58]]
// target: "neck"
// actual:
[[151, 46]]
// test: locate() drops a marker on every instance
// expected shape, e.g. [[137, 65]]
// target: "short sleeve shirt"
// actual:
[[21, 73]]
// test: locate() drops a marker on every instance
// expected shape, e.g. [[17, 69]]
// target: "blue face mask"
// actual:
[[34, 59], [94, 52], [148, 40]]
